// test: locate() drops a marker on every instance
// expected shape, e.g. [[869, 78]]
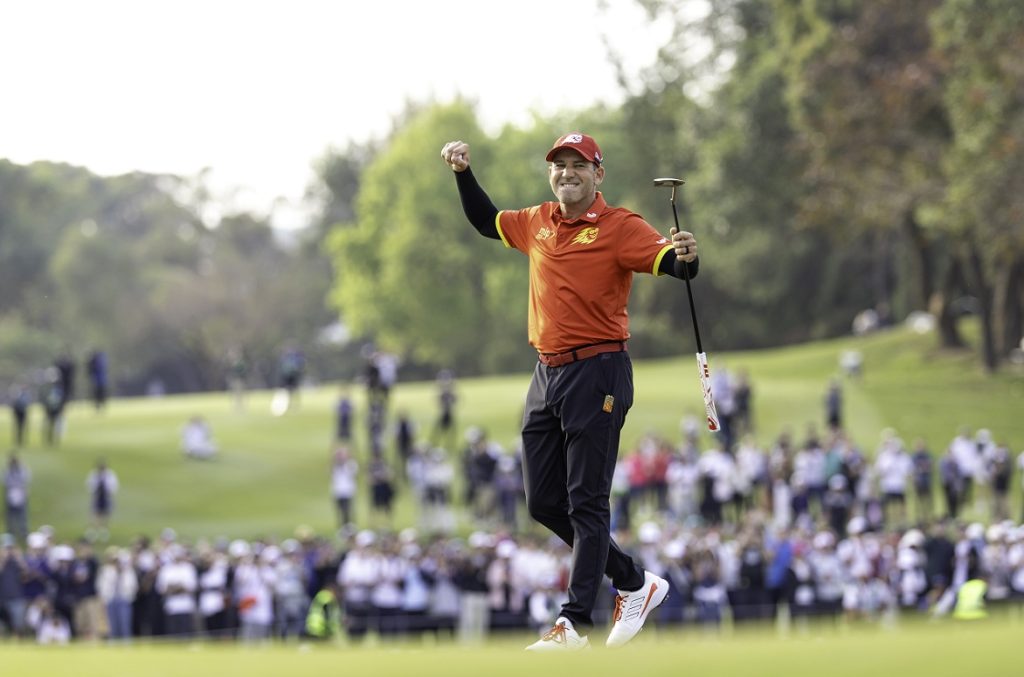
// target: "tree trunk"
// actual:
[[1006, 306], [941, 306], [983, 292], [920, 248]]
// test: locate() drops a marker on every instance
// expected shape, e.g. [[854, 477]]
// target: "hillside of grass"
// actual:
[[272, 473]]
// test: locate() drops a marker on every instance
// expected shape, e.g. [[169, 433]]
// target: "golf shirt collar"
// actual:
[[592, 214]]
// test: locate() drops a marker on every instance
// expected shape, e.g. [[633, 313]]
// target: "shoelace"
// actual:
[[620, 601], [556, 634]]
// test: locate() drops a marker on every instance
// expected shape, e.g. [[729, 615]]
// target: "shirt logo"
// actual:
[[544, 233], [586, 236], [591, 215], [662, 241]]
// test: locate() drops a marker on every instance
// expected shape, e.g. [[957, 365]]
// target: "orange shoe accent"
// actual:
[[654, 586], [619, 602], [555, 634]]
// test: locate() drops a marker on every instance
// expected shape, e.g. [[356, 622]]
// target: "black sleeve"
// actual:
[[670, 265], [479, 209]]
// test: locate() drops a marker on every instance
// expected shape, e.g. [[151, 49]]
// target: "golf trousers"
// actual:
[[574, 414]]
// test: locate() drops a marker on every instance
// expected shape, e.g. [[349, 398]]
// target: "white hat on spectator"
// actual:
[[995, 533], [289, 545], [824, 539], [365, 538], [914, 538], [907, 559], [856, 525], [270, 554], [674, 549], [975, 531], [479, 539], [63, 553], [36, 540], [649, 533], [506, 549], [239, 548]]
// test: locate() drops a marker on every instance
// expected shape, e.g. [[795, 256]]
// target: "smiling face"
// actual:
[[574, 181]]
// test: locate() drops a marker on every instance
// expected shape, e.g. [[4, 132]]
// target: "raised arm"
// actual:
[[477, 206]]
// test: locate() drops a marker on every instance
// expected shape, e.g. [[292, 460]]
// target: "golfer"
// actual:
[[583, 254]]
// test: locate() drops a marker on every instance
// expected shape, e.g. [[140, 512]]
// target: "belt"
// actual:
[[582, 353]]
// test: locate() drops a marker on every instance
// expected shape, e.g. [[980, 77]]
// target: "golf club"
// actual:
[[702, 358]]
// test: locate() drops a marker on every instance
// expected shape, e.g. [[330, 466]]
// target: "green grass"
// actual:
[[915, 649], [272, 472]]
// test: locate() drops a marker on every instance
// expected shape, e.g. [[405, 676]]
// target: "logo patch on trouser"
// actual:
[[609, 404]]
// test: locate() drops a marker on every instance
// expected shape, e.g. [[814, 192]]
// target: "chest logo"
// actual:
[[544, 233], [586, 236]]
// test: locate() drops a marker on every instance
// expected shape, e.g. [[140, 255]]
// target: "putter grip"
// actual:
[[705, 386]]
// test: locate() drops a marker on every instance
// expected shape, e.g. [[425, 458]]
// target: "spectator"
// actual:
[[834, 405], [103, 486], [90, 616], [51, 627], [921, 461], [965, 452], [13, 572], [323, 622], [893, 467], [65, 366], [999, 467], [177, 582], [952, 483], [254, 589], [116, 586], [290, 598], [292, 368], [405, 436], [743, 396], [343, 413], [53, 400], [19, 401], [17, 478], [96, 366], [357, 575], [382, 490], [237, 373], [212, 570], [197, 439], [344, 480], [444, 429]]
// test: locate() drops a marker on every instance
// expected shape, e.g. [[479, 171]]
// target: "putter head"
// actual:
[[668, 181]]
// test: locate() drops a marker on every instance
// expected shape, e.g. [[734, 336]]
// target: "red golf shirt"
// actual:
[[581, 271]]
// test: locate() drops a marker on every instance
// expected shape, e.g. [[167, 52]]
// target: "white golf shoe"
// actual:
[[562, 637], [633, 608]]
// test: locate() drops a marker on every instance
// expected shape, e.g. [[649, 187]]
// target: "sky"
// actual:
[[255, 91]]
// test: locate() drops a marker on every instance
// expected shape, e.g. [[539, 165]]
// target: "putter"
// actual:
[[702, 358]]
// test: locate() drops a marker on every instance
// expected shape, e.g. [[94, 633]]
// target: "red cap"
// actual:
[[581, 143]]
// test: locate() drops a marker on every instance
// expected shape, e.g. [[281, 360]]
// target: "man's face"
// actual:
[[574, 179]]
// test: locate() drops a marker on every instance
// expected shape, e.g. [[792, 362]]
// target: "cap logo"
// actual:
[[573, 138]]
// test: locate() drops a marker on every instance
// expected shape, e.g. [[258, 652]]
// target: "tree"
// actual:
[[982, 44]]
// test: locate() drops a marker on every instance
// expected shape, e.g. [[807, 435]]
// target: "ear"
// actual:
[[599, 175]]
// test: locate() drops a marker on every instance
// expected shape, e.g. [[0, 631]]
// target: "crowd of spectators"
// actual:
[[404, 584], [800, 528]]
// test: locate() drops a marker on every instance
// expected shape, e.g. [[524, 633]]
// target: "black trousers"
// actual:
[[570, 445]]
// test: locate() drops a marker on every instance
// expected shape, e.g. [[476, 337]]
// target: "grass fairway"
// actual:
[[272, 472], [927, 650]]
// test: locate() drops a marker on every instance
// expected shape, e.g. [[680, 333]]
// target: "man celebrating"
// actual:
[[583, 254]]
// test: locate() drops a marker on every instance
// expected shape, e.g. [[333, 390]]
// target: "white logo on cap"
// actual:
[[573, 138]]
